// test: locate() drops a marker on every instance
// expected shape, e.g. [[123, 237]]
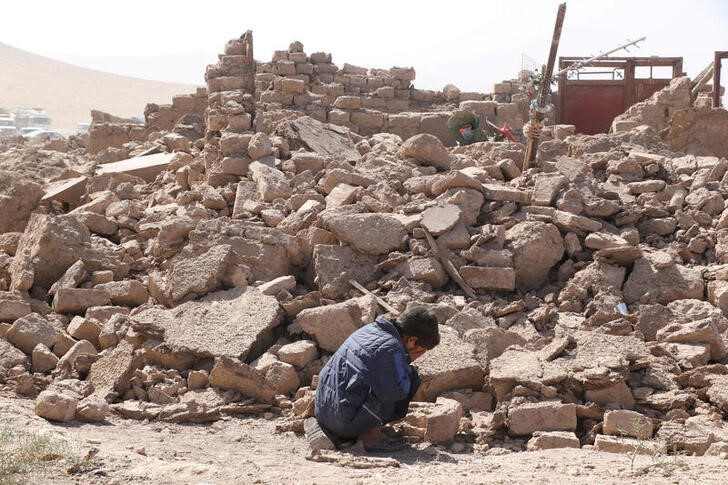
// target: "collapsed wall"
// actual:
[[586, 296]]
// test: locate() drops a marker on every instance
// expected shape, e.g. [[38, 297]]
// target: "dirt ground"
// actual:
[[247, 450]]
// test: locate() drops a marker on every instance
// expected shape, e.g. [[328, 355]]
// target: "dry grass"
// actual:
[[22, 454]]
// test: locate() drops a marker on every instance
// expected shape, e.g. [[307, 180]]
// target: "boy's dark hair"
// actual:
[[420, 322]]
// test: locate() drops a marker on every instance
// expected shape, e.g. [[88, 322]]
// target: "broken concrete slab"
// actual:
[[323, 138], [236, 323], [69, 192], [368, 233], [440, 219], [146, 168]]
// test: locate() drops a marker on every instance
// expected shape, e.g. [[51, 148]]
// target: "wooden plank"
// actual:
[[381, 302], [449, 267]]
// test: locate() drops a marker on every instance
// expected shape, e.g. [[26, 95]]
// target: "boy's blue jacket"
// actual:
[[367, 382]]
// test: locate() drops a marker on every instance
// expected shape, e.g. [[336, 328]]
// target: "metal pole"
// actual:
[[532, 144], [580, 64]]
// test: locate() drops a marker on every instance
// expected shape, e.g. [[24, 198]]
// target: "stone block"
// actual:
[[334, 265], [229, 373], [505, 193], [347, 102], [450, 365], [622, 422], [499, 279], [12, 306], [299, 354], [125, 293], [55, 406], [543, 416], [77, 300], [425, 149], [31, 330], [43, 360], [82, 328], [548, 440], [615, 395], [282, 377], [371, 233], [427, 269], [435, 422], [618, 444], [332, 324]]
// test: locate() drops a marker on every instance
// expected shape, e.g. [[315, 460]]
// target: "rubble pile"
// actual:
[[581, 302]]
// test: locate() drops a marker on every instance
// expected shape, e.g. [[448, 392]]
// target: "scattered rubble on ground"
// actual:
[[198, 266]]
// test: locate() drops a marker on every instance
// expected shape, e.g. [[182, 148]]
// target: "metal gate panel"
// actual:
[[592, 107], [592, 104]]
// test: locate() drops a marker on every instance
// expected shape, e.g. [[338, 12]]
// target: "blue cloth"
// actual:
[[368, 381]]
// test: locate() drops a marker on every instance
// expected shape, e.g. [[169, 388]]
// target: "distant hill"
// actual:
[[68, 92]]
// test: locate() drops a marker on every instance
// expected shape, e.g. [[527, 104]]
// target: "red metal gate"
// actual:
[[592, 104]]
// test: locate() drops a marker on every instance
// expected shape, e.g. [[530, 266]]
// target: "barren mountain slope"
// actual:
[[69, 92]]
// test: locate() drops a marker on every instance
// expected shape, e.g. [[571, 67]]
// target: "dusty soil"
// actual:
[[248, 450]]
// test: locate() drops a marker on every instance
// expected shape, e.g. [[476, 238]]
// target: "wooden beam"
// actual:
[[449, 267], [716, 79], [381, 302]]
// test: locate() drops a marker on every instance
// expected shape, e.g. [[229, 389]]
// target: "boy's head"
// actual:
[[419, 331]]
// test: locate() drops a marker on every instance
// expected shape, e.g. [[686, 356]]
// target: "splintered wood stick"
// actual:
[[381, 302], [449, 267]]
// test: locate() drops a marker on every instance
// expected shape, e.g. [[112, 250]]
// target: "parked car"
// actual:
[[82, 128], [8, 131], [44, 134], [29, 129]]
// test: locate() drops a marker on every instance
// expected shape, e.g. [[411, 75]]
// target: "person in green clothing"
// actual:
[[465, 126]]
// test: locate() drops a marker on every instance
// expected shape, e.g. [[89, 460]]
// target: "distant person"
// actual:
[[465, 126], [369, 382]]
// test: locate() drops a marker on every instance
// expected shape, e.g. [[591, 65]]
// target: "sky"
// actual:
[[470, 44]]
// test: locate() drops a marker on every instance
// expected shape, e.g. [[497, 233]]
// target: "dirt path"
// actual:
[[249, 451]]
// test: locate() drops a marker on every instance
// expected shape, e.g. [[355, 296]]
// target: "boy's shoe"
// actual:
[[316, 436]]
